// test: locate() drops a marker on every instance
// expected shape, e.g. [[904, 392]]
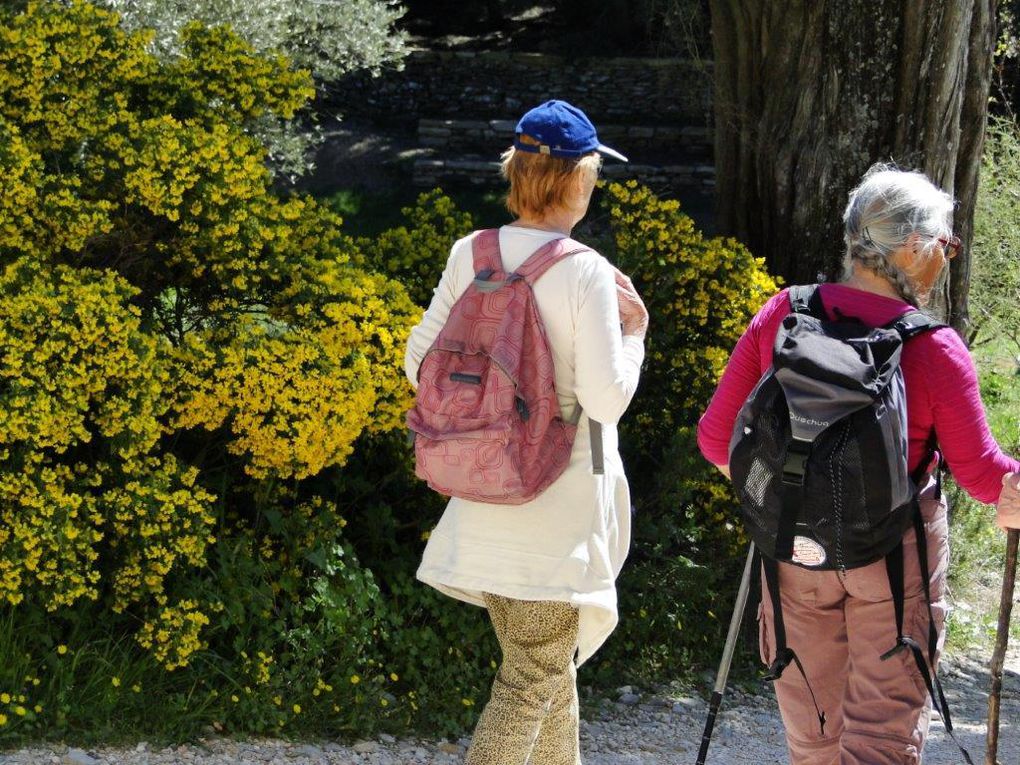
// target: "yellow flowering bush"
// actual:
[[160, 521], [296, 394], [201, 384], [227, 79], [176, 334], [416, 253], [173, 634], [701, 292], [81, 396]]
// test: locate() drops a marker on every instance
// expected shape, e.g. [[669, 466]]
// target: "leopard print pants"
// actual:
[[531, 717]]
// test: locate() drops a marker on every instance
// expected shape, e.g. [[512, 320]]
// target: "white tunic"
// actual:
[[569, 543]]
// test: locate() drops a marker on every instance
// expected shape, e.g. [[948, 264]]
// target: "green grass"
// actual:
[[73, 695]]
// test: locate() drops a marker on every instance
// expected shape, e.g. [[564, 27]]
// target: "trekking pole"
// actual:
[[727, 657], [999, 654]]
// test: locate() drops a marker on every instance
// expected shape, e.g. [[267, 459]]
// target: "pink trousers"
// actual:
[[876, 711]]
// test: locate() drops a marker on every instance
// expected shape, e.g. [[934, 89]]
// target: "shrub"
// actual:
[[86, 494], [204, 493], [176, 336], [328, 38], [701, 293], [295, 395], [416, 253], [301, 622]]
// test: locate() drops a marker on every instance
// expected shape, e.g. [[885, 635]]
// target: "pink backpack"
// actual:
[[486, 419]]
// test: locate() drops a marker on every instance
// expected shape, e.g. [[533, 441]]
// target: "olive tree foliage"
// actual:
[[330, 38]]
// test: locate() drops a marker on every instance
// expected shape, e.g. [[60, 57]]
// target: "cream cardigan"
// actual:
[[569, 543]]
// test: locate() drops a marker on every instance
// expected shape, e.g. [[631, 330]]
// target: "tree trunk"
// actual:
[[810, 93]]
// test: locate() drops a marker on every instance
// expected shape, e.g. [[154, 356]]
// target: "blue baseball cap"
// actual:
[[563, 130]]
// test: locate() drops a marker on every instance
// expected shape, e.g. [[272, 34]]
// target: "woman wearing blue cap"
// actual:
[[545, 570]]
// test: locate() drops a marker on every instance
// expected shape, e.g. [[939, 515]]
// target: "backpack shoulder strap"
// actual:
[[485, 254], [546, 256], [914, 323], [807, 299]]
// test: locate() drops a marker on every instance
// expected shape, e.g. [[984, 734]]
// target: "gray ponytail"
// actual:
[[887, 208]]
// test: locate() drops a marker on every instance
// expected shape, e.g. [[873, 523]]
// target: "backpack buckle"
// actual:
[[781, 662], [795, 465], [902, 643]]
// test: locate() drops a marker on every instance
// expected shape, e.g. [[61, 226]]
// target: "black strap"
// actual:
[[784, 654], [794, 469], [807, 299], [894, 570], [913, 323]]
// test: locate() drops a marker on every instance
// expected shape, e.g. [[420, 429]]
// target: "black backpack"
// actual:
[[819, 461]]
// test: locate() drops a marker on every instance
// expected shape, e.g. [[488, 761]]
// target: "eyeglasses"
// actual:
[[950, 246]]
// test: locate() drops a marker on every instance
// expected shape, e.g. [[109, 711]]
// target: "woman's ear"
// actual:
[[908, 257]]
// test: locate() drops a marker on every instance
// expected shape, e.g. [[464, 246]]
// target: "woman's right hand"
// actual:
[[633, 314], [1008, 507]]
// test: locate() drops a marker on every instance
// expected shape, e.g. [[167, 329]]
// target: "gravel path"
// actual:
[[639, 729]]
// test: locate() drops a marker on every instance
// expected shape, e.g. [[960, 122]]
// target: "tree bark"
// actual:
[[810, 93]]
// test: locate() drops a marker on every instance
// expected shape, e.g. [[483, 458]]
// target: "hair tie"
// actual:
[[866, 239]]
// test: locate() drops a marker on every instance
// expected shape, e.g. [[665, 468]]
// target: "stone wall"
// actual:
[[655, 143], [501, 85], [450, 173]]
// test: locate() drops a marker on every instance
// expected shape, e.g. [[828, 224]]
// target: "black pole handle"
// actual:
[[706, 737]]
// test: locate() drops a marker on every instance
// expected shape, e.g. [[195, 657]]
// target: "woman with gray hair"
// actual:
[[898, 233]]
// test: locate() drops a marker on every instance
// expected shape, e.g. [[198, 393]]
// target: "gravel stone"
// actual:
[[79, 757]]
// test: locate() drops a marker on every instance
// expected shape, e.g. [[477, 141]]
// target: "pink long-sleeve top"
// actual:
[[942, 390]]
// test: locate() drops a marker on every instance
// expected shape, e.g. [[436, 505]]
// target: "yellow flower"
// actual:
[[20, 711], [3, 719], [115, 681], [355, 679], [394, 677], [61, 649], [5, 698], [297, 709], [234, 698]]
